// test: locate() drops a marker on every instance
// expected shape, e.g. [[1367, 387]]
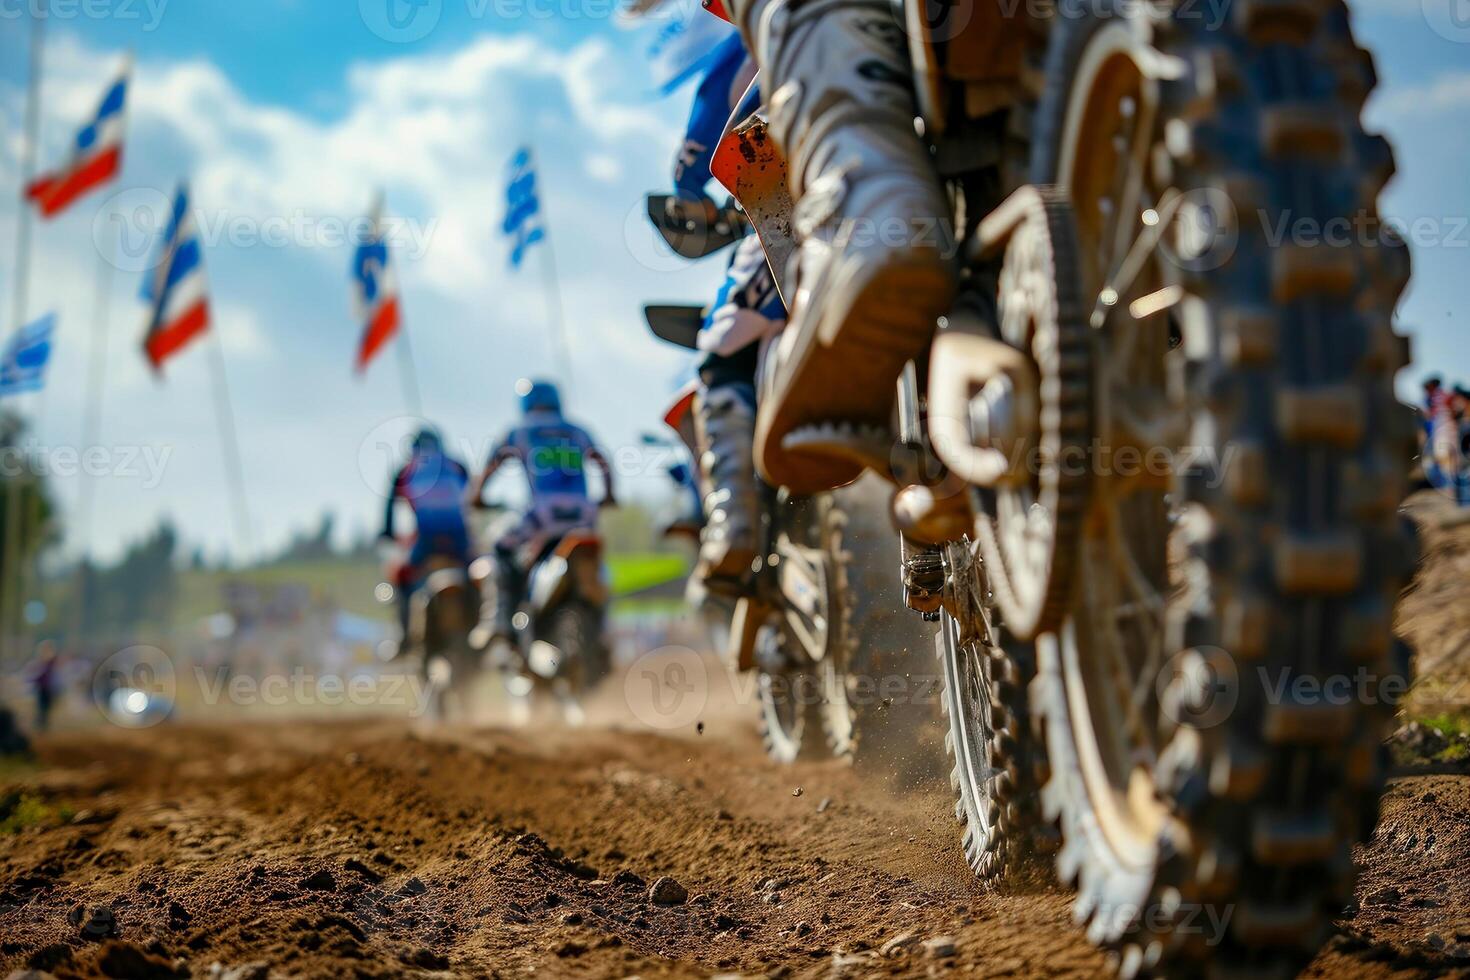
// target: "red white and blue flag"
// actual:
[[96, 154], [176, 287], [374, 290]]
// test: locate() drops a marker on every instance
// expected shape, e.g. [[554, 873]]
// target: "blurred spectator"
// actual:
[[45, 682], [1445, 435]]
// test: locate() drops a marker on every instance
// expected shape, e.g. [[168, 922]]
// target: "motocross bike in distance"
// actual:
[[561, 651], [442, 612], [1115, 171], [817, 621]]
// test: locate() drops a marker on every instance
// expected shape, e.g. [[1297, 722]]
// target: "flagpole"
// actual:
[[92, 420], [412, 397], [229, 440], [561, 351], [10, 588]]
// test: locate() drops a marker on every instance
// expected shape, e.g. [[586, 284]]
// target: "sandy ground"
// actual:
[[377, 848], [362, 849]]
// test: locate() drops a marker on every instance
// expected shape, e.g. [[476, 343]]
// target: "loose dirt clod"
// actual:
[[667, 891], [940, 947]]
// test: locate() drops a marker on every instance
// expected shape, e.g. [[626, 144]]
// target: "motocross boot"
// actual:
[[873, 270], [724, 425]]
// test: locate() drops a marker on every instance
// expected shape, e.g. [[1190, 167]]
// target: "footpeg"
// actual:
[[923, 578]]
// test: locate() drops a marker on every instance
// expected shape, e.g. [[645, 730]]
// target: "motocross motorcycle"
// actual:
[[561, 649], [1113, 633], [815, 622], [442, 612]]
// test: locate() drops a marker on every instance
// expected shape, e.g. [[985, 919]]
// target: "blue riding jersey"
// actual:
[[434, 485], [553, 453], [729, 75]]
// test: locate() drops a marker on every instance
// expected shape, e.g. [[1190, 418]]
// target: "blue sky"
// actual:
[[297, 111]]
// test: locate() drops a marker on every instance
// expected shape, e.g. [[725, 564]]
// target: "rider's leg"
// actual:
[[508, 592], [874, 267], [725, 426]]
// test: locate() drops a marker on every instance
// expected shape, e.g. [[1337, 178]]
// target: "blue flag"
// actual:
[[522, 223], [23, 365]]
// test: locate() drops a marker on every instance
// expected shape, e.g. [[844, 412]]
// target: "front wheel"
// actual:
[[1208, 791]]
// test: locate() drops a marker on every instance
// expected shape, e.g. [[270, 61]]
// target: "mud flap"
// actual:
[[751, 166]]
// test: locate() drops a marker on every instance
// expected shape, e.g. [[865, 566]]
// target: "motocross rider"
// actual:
[[746, 311], [553, 454], [873, 269], [433, 484]]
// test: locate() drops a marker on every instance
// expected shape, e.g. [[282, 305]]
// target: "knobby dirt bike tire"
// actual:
[[1289, 375]]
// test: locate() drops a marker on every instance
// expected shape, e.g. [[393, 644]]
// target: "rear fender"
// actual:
[[752, 167], [680, 417], [445, 607]]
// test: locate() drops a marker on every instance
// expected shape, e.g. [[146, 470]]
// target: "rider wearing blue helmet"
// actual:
[[553, 454], [432, 483]]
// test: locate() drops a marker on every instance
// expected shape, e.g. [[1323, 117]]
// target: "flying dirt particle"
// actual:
[[667, 891], [699, 728], [798, 791], [822, 806], [940, 947]]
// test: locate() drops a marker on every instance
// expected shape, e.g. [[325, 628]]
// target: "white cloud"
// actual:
[[436, 132], [604, 168], [1448, 93]]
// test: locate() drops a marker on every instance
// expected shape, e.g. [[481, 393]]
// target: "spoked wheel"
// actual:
[[1241, 529], [994, 773], [806, 709]]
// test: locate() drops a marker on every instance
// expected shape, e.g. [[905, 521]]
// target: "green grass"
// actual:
[[634, 573], [346, 584], [1447, 724], [20, 811]]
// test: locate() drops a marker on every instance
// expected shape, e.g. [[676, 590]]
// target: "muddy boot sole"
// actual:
[[846, 368]]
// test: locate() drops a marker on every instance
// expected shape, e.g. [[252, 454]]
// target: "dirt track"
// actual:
[[369, 848], [366, 849]]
